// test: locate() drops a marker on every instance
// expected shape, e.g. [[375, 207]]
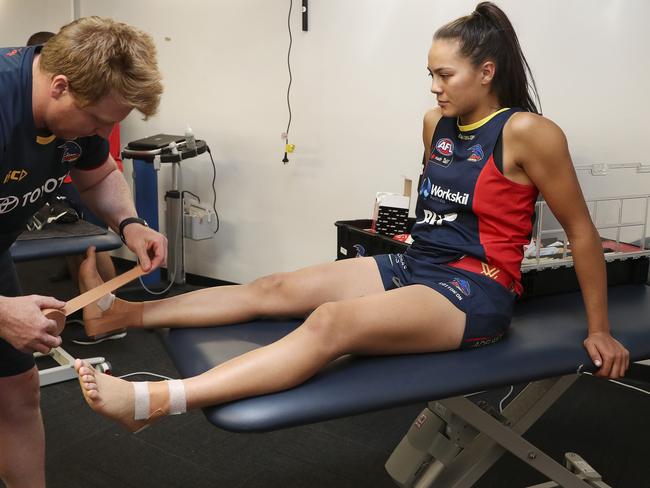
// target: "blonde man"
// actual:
[[60, 102]]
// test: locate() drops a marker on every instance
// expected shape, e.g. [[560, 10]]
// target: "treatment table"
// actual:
[[454, 441], [65, 240], [62, 240]]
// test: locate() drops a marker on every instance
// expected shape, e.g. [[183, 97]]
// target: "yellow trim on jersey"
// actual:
[[476, 125], [45, 140]]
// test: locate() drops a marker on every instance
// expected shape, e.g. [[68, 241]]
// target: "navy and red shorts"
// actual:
[[487, 304], [12, 361]]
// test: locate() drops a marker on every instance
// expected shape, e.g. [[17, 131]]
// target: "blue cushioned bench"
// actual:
[[543, 347]]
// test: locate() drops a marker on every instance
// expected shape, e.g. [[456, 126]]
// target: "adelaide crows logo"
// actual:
[[361, 251], [462, 285], [71, 151], [476, 153]]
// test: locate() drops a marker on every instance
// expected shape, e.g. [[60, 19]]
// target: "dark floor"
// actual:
[[608, 425]]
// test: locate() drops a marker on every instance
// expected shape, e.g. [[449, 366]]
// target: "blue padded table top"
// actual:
[[28, 250], [545, 340]]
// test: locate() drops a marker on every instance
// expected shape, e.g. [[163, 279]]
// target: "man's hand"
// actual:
[[148, 245], [23, 325], [608, 354]]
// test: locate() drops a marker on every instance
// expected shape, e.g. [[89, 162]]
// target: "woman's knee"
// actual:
[[326, 324], [270, 289]]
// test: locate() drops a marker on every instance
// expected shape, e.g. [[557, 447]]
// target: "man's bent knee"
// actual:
[[20, 395]]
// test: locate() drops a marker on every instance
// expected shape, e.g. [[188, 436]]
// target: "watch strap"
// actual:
[[127, 221]]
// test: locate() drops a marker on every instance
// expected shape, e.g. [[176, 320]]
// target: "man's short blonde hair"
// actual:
[[99, 57]]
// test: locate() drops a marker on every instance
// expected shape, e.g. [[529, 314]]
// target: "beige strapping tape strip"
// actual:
[[96, 293], [90, 296]]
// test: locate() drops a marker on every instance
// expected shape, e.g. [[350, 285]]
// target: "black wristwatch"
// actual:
[[127, 221]]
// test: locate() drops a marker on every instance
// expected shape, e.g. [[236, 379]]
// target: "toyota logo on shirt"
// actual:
[[7, 204]]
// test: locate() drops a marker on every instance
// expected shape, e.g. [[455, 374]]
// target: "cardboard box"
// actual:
[[391, 211]]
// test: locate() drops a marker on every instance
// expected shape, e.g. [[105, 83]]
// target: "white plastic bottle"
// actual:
[[190, 141]]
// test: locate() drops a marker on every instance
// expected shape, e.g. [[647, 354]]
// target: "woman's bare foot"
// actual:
[[109, 396], [99, 320], [89, 277]]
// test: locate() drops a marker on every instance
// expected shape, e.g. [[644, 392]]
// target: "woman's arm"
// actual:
[[431, 119], [539, 149]]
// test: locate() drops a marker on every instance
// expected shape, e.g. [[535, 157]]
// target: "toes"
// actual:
[[85, 371], [90, 252], [88, 265]]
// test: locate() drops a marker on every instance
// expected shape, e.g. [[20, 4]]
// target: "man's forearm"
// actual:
[[110, 199]]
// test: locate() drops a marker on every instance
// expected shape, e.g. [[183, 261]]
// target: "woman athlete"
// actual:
[[488, 153]]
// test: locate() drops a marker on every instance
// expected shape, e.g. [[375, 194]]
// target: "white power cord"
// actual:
[[620, 383], [512, 388], [177, 237]]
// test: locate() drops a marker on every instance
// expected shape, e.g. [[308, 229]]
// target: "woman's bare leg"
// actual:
[[406, 320], [293, 294]]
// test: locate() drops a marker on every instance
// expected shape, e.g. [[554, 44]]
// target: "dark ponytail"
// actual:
[[488, 34]]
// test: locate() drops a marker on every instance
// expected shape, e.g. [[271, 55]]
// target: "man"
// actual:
[[105, 264], [59, 104]]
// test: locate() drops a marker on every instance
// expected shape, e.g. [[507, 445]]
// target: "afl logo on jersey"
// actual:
[[71, 151], [445, 147], [443, 153]]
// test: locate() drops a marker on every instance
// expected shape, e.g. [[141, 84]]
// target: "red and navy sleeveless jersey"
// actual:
[[32, 165], [466, 206]]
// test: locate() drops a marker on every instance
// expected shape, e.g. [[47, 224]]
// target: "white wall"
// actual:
[[19, 19], [359, 92]]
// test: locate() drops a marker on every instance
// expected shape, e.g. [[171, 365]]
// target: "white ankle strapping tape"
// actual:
[[141, 396], [177, 401], [106, 302]]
